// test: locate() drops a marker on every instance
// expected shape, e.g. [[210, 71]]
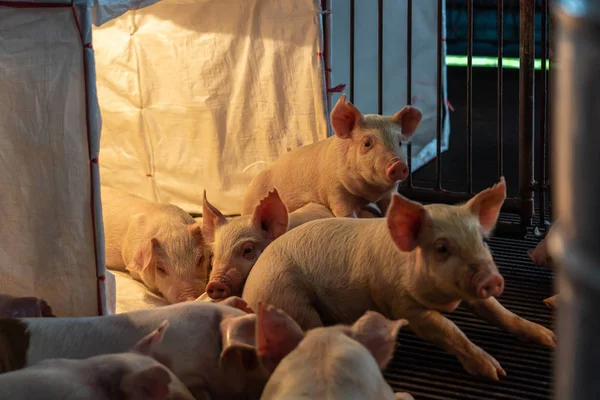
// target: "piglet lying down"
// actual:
[[134, 375], [416, 263], [211, 346], [338, 362]]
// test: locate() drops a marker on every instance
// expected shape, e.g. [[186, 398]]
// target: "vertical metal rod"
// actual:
[[526, 108], [543, 93], [409, 78], [380, 57], [352, 26], [438, 132], [469, 122], [500, 87], [574, 241], [326, 6], [550, 53]]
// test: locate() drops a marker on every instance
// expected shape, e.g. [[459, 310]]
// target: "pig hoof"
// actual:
[[552, 302], [532, 332], [403, 396], [483, 364]]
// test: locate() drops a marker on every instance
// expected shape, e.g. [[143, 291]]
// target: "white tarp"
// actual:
[[424, 64], [203, 94], [46, 152]]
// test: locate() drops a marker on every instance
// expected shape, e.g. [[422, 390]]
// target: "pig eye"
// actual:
[[367, 143], [248, 251], [441, 247], [161, 271]]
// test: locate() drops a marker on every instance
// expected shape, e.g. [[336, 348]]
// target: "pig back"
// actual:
[[300, 177], [333, 262]]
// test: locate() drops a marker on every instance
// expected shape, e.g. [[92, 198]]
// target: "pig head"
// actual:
[[338, 362], [451, 253], [174, 261], [238, 242], [371, 148]]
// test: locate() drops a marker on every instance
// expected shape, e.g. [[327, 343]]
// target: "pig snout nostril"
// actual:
[[217, 290]]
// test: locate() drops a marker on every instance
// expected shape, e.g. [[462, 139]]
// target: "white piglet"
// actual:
[[416, 263], [134, 375], [210, 347], [337, 362], [360, 164], [159, 244]]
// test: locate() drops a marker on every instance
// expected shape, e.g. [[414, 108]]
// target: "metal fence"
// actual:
[[530, 160]]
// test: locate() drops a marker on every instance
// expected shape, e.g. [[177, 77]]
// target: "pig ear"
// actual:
[[146, 344], [271, 215], [486, 205], [196, 233], [211, 220], [378, 334], [405, 218], [150, 383], [277, 335], [409, 119], [344, 117], [145, 256], [238, 338]]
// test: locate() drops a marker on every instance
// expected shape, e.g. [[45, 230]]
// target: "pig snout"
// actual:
[[218, 290], [224, 282], [492, 285], [397, 171]]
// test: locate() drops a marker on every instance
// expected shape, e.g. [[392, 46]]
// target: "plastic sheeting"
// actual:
[[48, 185], [204, 94], [424, 64]]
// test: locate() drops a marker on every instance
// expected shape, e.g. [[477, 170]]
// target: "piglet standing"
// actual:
[[338, 362], [159, 244], [238, 242], [134, 375], [416, 263], [360, 164], [23, 307]]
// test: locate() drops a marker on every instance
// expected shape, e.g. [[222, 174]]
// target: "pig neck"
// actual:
[[408, 271], [355, 185]]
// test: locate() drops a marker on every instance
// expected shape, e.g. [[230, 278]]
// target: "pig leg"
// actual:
[[494, 313], [552, 302], [433, 327]]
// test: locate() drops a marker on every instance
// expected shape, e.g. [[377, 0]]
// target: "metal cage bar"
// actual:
[[523, 204]]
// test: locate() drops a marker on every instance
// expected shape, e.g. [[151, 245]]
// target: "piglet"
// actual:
[[360, 164], [238, 242], [159, 244], [416, 263], [23, 307], [338, 362], [540, 255], [134, 375], [211, 345]]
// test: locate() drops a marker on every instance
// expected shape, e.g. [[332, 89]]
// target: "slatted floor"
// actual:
[[429, 373]]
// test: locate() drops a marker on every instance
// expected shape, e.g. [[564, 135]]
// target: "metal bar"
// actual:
[[380, 57], [574, 240], [352, 26], [543, 93], [469, 122], [526, 108], [500, 87], [438, 132], [409, 79], [325, 8], [551, 61]]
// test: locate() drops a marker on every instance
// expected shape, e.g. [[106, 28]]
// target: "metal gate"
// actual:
[[534, 163]]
